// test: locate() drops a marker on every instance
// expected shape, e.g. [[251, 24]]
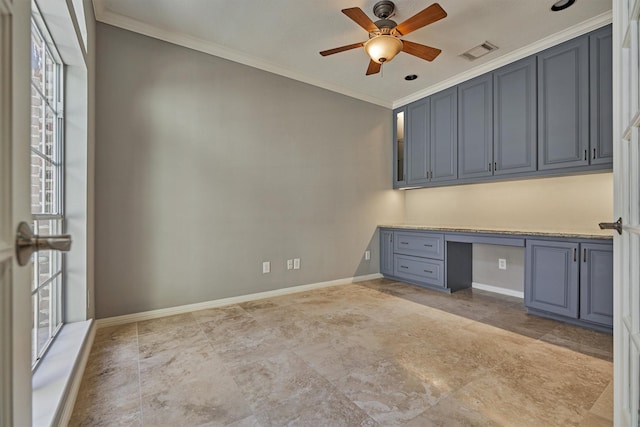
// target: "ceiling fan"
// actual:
[[384, 35]]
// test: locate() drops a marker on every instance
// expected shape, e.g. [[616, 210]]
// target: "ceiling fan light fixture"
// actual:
[[383, 48]]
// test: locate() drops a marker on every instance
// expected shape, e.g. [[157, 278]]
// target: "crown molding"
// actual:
[[542, 44], [105, 16]]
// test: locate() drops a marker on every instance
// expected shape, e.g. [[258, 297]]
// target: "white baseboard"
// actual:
[[498, 290], [78, 373], [163, 312]]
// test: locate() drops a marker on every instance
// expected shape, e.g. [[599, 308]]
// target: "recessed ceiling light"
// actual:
[[410, 77], [562, 5]]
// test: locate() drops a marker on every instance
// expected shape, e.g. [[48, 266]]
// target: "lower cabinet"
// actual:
[[570, 279], [413, 256]]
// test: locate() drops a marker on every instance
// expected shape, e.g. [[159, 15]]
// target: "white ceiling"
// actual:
[[285, 36]]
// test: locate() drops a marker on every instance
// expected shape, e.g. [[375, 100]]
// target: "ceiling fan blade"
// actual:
[[421, 51], [433, 13], [360, 18], [374, 68], [341, 49]]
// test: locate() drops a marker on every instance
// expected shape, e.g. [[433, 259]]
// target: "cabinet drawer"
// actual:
[[428, 245], [419, 269]]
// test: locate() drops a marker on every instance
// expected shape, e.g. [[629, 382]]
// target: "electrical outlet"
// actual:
[[266, 267], [296, 263], [502, 263], [367, 255], [289, 264]]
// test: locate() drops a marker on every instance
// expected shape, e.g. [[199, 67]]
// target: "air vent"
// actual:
[[478, 51]]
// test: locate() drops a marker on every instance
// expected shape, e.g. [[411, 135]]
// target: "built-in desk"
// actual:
[[568, 276]]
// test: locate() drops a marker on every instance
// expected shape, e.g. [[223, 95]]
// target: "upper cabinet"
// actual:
[[563, 105], [514, 117], [547, 114], [601, 96]]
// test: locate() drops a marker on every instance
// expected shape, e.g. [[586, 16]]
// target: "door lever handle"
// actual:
[[28, 243], [612, 225]]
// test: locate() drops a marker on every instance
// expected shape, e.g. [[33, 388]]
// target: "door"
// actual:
[[514, 115], [417, 142], [15, 281], [596, 283], [600, 101], [475, 127], [443, 130], [386, 252], [563, 105], [626, 251], [551, 277], [399, 147]]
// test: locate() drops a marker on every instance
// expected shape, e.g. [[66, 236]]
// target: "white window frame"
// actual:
[[54, 214]]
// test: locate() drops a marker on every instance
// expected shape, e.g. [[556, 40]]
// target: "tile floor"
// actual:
[[376, 353]]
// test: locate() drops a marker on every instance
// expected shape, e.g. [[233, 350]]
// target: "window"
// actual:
[[47, 206]]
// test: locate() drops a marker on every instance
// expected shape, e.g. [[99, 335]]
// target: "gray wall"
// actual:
[[206, 168], [485, 266]]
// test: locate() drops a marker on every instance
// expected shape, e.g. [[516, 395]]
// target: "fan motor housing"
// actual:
[[384, 9]]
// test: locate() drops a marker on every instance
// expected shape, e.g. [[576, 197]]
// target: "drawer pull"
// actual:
[[429, 246], [428, 271], [403, 266], [404, 243]]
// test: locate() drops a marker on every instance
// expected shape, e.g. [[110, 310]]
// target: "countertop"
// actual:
[[576, 235]]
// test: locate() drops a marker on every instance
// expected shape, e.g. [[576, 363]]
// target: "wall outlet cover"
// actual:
[[289, 264], [367, 255], [296, 263], [266, 267], [502, 263]]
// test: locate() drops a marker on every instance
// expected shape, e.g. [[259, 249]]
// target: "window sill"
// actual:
[[53, 380]]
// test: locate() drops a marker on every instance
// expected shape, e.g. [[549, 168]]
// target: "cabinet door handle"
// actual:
[[495, 166], [431, 175], [428, 271], [575, 254], [585, 154], [584, 255], [490, 167], [594, 153]]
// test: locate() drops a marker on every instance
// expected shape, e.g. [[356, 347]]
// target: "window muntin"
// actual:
[[46, 186]]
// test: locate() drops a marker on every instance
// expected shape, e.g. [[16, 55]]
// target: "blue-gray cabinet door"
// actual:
[[418, 155], [399, 147], [386, 252], [475, 127], [514, 118], [596, 283], [563, 105], [601, 95], [444, 135], [551, 277]]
